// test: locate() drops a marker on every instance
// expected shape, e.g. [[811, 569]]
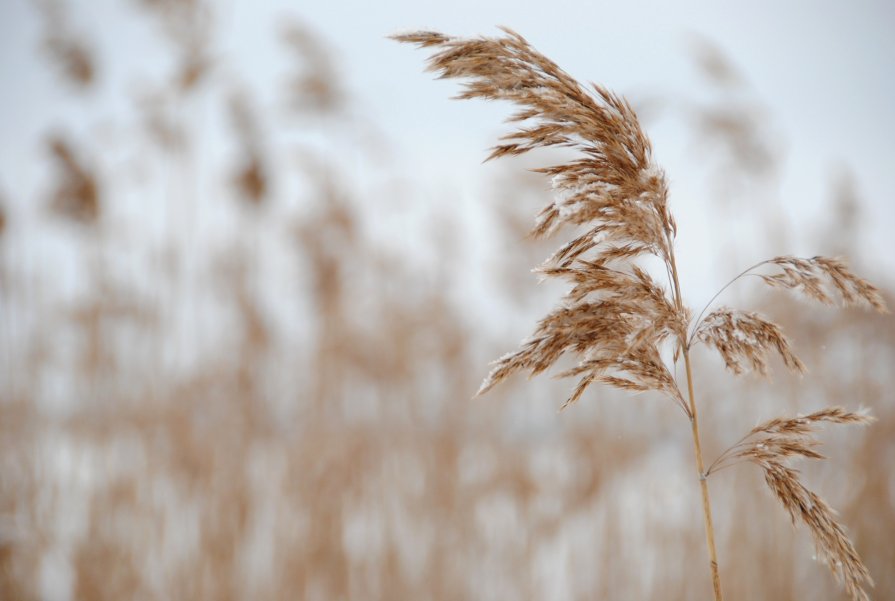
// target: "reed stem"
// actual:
[[703, 484], [697, 446]]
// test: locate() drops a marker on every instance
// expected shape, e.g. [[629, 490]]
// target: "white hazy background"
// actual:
[[821, 70]]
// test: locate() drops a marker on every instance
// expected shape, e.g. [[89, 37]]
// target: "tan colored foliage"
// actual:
[[616, 320]]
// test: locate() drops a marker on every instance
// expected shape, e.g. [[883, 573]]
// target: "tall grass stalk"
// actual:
[[616, 320], [697, 450]]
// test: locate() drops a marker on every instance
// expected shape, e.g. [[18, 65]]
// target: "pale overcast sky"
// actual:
[[822, 69]]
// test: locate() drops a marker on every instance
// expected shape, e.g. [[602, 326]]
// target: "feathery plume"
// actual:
[[824, 279], [768, 446], [616, 316], [616, 319], [745, 339]]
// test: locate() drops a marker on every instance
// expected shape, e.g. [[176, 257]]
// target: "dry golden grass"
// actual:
[[617, 320]]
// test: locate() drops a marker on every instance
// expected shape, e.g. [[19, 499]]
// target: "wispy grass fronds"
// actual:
[[616, 316], [745, 339], [613, 186], [825, 280], [769, 445], [615, 319]]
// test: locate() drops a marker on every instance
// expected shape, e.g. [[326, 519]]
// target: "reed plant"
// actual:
[[624, 328]]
